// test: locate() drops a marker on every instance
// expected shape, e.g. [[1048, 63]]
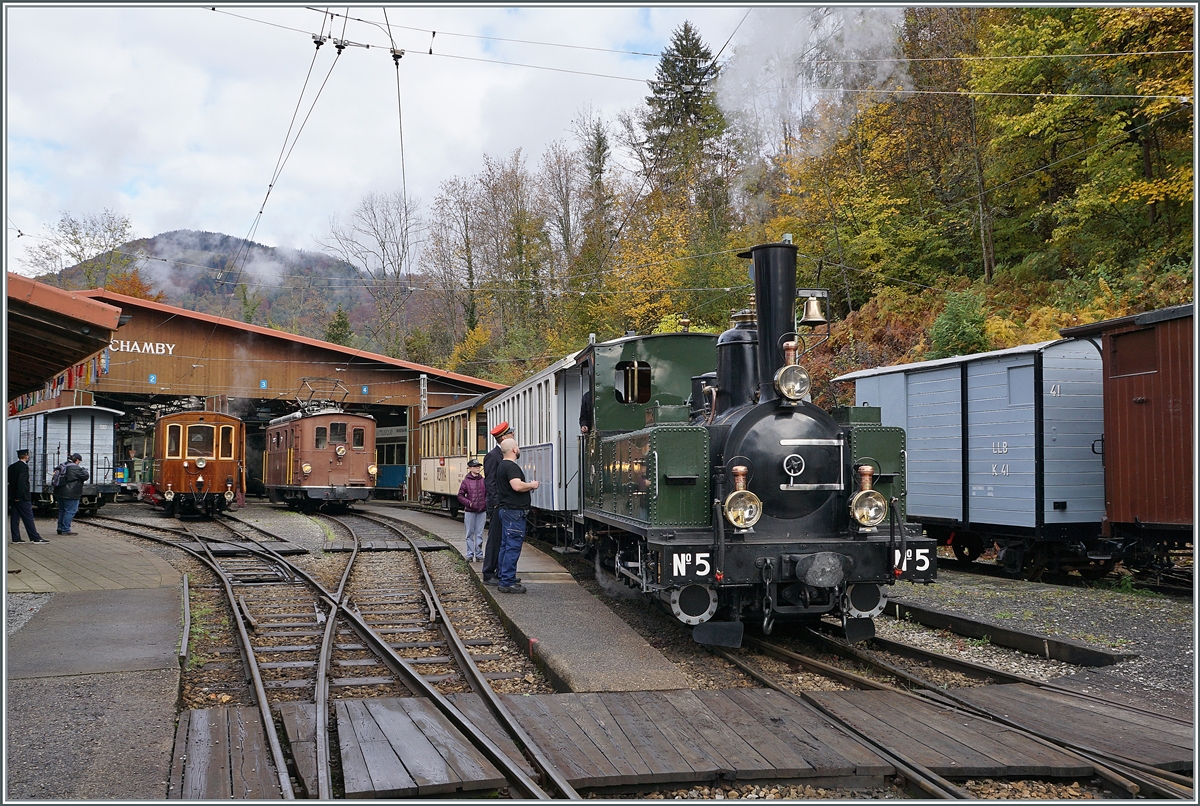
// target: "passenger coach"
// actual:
[[451, 437]]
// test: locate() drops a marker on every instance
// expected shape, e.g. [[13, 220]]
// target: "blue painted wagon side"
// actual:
[[1000, 443]]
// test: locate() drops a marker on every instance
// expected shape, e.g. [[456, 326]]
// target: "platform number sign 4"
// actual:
[[364, 389], [699, 563]]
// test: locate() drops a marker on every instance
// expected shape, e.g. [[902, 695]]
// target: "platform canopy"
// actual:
[[50, 330]]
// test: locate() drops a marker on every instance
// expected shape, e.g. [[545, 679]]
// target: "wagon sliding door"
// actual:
[[935, 440]]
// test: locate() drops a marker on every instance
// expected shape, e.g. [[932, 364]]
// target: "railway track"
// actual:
[[891, 666], [1177, 581], [375, 633]]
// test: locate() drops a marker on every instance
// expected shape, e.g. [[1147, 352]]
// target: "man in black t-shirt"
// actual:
[[515, 497], [495, 536]]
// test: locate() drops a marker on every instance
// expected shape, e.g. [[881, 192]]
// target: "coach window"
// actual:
[[360, 438], [337, 433], [201, 440], [632, 382], [227, 442], [320, 437], [174, 434]]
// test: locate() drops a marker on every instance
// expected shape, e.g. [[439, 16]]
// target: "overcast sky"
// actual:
[[176, 116]]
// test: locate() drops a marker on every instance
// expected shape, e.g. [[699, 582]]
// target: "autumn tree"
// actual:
[[89, 243], [381, 241]]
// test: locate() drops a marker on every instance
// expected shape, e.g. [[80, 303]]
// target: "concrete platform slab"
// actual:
[[579, 643], [93, 632]]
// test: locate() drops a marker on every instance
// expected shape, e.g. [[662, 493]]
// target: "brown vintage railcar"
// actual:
[[199, 463], [1147, 445], [320, 458]]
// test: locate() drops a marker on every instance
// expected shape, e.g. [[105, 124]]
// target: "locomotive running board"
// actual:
[[719, 633]]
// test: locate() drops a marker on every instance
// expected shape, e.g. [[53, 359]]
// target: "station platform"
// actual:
[[578, 642], [93, 678]]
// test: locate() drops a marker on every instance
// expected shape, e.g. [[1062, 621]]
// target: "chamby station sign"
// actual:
[[145, 347]]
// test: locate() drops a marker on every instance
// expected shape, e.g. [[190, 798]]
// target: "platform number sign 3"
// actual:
[[262, 384]]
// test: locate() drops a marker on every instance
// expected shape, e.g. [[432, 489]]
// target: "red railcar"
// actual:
[[320, 458], [199, 462], [1147, 446]]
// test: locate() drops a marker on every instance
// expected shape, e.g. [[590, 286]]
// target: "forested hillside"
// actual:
[[960, 179]]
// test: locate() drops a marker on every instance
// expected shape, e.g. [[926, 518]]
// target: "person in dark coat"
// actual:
[[491, 553], [69, 492], [585, 412], [472, 494], [20, 500]]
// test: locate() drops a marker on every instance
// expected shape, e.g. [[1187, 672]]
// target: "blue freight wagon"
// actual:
[[1004, 448]]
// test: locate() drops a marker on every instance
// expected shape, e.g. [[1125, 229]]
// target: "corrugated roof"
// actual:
[[944, 362], [1141, 319], [121, 299]]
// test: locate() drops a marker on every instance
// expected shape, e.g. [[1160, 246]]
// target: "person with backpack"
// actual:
[[68, 489], [472, 494]]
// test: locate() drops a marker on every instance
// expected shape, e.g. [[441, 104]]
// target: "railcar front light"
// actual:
[[743, 509], [201, 462], [373, 470], [306, 468], [341, 450], [169, 495], [868, 507], [229, 495], [792, 382]]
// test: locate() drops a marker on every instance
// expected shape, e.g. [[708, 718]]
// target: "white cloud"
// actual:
[[176, 116]]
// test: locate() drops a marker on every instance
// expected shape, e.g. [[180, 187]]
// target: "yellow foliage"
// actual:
[[470, 348]]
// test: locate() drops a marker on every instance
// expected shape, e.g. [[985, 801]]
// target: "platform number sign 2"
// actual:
[[153, 379]]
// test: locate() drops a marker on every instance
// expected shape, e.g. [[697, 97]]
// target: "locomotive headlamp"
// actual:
[[792, 382], [868, 506], [341, 450], [742, 507], [169, 495], [306, 468], [201, 463], [229, 495], [372, 469]]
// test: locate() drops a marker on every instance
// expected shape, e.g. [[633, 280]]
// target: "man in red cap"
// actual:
[[491, 463]]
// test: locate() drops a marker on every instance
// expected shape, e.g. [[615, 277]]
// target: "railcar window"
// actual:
[[632, 382], [227, 442], [337, 433], [174, 435], [481, 432], [201, 440], [360, 438], [321, 438], [1134, 353]]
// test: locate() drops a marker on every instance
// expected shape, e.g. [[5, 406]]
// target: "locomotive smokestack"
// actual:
[[775, 291]]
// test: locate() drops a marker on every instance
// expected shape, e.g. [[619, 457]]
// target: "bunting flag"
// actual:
[[83, 374]]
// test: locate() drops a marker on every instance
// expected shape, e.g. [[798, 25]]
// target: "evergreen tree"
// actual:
[[682, 121], [338, 331]]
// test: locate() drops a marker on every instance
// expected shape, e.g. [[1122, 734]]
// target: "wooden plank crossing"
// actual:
[[233, 548], [1158, 741], [404, 747], [946, 741], [222, 754], [388, 544]]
